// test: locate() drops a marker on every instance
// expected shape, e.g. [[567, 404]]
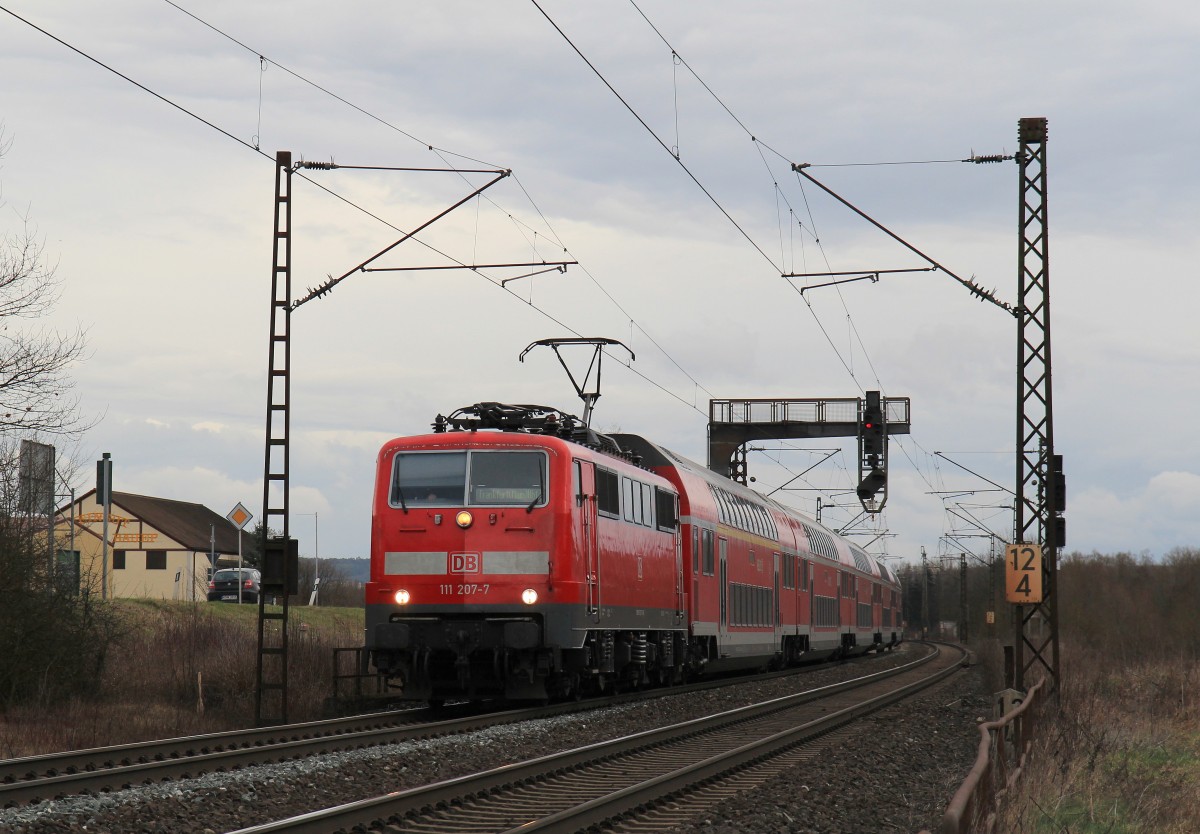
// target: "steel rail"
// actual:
[[451, 792], [36, 778], [645, 795], [52, 764]]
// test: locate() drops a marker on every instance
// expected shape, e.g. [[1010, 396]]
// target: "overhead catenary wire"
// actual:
[[758, 145], [694, 178], [429, 145], [432, 148], [439, 151], [657, 138], [330, 166]]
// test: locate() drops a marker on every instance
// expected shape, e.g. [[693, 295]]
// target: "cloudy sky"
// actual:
[[160, 228]]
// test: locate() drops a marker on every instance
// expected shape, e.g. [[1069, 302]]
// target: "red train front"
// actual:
[[520, 564]]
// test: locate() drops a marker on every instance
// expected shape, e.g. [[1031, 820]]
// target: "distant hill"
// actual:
[[354, 570]]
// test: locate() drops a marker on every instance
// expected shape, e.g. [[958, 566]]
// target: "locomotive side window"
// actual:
[[429, 479], [608, 493], [666, 509], [507, 478], [641, 507]]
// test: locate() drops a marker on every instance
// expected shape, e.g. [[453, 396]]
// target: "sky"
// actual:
[[154, 203]]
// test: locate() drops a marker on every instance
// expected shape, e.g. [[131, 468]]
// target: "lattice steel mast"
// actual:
[[1040, 494], [273, 641]]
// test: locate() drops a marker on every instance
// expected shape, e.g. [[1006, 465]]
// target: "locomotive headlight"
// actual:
[[529, 596], [464, 519], [402, 597]]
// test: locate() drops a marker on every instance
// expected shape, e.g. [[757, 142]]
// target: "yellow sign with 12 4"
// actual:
[[1023, 573]]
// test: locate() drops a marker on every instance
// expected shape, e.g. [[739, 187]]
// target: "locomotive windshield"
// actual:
[[476, 478]]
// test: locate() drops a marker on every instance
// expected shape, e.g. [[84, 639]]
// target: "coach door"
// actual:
[[775, 597], [585, 533], [723, 547]]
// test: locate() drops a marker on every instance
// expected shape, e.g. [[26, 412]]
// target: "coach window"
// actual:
[[608, 493], [735, 511], [731, 517], [695, 549], [719, 497], [709, 561]]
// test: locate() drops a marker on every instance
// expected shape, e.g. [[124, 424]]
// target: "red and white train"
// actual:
[[517, 554]]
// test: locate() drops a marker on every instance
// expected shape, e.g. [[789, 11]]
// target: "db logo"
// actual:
[[464, 563]]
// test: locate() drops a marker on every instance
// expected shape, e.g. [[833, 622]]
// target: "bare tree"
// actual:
[[55, 637], [36, 394]]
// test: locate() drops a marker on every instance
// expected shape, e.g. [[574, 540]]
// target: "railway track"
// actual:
[[665, 775], [40, 778]]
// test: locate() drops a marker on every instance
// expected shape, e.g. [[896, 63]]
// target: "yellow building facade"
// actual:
[[156, 547]]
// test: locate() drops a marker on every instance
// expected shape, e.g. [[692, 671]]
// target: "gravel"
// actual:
[[895, 775]]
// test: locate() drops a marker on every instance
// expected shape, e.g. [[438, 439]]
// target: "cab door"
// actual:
[[584, 510]]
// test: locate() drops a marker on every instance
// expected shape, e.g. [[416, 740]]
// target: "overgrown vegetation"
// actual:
[[54, 643], [1121, 754], [1120, 750], [181, 668]]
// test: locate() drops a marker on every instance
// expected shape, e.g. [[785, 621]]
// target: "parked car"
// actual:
[[223, 587]]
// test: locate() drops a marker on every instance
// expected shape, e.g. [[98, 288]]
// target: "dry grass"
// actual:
[[1122, 754], [183, 668]]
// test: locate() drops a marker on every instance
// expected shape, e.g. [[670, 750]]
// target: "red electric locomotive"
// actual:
[[519, 563], [544, 560]]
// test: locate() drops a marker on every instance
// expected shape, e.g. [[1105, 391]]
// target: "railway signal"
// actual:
[[872, 452], [872, 428], [870, 485]]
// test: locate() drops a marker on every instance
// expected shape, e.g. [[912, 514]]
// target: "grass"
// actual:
[[1121, 755], [182, 668]]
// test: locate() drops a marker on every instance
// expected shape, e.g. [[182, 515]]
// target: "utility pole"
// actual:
[[104, 497], [271, 691], [963, 632], [925, 580]]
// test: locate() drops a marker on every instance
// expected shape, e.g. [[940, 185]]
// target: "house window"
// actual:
[[118, 560], [156, 560]]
